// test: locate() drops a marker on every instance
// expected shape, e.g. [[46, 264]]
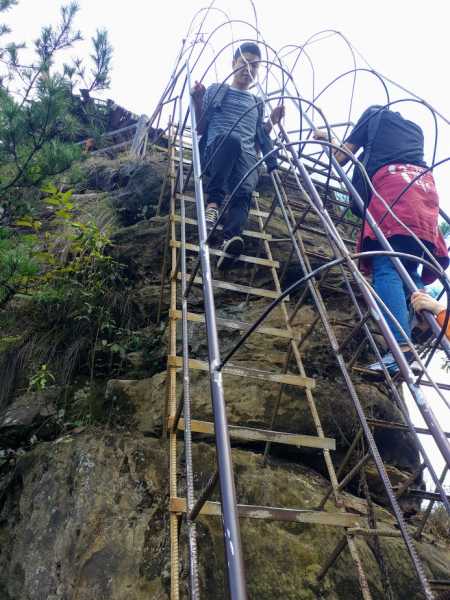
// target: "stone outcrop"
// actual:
[[87, 517]]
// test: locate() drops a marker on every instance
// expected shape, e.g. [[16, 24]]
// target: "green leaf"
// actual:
[[50, 189], [66, 197], [62, 213], [24, 223], [104, 342], [53, 201]]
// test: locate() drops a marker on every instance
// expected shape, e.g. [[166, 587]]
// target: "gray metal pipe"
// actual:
[[231, 528]]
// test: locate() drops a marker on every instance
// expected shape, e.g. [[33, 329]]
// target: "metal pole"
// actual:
[[233, 545]]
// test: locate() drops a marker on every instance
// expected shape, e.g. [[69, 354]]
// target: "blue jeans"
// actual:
[[389, 286]]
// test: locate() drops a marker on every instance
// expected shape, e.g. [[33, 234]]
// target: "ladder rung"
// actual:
[[254, 212], [297, 380], [268, 513], [436, 584], [244, 258], [248, 233], [400, 426], [262, 435], [236, 287], [426, 383], [200, 318]]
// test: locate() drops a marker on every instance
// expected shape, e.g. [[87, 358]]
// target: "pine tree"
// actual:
[[41, 116]]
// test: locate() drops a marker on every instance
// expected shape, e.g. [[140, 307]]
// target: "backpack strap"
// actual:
[[260, 103], [219, 91]]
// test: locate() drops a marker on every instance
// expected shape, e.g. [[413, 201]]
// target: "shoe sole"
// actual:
[[379, 368], [234, 247]]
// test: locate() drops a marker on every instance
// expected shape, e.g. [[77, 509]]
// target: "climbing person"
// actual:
[[393, 157], [422, 301], [222, 108]]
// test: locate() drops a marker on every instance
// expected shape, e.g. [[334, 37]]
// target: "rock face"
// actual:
[[85, 515]]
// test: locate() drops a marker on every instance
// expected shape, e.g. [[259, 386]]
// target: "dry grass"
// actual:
[[438, 523]]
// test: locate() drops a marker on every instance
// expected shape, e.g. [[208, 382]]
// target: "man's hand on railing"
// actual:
[[198, 92]]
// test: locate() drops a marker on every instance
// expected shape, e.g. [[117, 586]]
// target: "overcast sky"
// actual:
[[406, 41]]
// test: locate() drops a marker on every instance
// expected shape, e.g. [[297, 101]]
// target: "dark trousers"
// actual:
[[227, 169]]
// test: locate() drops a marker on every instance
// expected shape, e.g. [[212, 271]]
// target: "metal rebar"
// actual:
[[405, 485], [354, 331], [205, 495], [357, 353], [332, 558], [401, 362], [356, 469], [342, 467]]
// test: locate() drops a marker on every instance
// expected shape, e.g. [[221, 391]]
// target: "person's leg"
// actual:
[[238, 210], [410, 246], [389, 286], [221, 167], [239, 207]]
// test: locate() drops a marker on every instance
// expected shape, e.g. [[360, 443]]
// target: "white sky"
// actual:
[[406, 41]]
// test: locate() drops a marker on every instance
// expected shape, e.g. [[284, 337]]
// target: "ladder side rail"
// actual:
[[190, 497], [294, 349], [171, 400], [230, 519]]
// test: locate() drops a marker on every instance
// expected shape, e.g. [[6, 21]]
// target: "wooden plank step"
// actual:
[[244, 258], [440, 585], [287, 379], [262, 435], [200, 318], [269, 513], [247, 232], [236, 287], [254, 212]]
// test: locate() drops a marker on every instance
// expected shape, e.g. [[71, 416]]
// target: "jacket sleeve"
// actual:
[[441, 319]]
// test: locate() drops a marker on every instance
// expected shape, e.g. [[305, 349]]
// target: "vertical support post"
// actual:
[[233, 545]]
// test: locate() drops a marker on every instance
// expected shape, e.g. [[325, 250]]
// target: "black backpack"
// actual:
[[262, 137]]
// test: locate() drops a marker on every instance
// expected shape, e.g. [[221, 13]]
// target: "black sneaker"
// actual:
[[233, 248], [211, 214], [389, 362]]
